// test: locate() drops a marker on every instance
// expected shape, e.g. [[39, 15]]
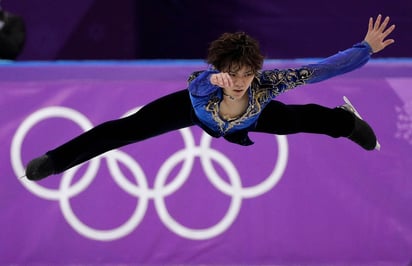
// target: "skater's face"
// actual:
[[242, 77]]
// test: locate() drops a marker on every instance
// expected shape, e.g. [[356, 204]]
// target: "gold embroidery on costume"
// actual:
[[213, 107], [282, 80], [224, 125]]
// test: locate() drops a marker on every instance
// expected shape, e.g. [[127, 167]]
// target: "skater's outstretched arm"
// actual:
[[356, 56]]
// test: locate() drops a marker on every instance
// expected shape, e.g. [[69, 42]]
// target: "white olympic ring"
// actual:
[[142, 191]]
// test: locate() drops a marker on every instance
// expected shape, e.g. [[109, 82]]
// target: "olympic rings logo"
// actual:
[[142, 191]]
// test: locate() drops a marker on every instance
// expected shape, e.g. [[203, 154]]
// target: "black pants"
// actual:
[[175, 111]]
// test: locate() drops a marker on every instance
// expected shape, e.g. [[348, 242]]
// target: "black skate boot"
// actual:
[[39, 168], [362, 133]]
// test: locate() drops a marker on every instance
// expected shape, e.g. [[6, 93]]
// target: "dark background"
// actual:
[[182, 29]]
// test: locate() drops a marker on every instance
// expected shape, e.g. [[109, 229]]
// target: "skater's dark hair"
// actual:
[[231, 51]]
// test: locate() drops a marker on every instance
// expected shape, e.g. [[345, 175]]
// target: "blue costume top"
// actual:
[[267, 84]]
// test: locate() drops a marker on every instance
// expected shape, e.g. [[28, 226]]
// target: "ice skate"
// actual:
[[362, 133], [39, 168]]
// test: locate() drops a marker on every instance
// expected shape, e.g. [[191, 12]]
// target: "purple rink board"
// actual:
[[185, 199]]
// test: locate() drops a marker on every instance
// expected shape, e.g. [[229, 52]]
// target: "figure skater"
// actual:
[[230, 99]]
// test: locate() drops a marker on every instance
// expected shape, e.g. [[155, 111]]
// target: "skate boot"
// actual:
[[362, 133], [39, 168]]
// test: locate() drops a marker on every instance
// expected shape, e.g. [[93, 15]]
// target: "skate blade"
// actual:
[[346, 100]]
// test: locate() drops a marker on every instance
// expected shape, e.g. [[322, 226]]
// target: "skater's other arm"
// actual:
[[355, 57], [345, 61], [200, 83]]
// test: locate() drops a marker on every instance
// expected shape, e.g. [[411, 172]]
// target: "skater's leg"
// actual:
[[279, 118], [166, 114]]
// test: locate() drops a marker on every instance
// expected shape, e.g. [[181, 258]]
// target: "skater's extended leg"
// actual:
[[165, 114], [282, 119], [279, 118]]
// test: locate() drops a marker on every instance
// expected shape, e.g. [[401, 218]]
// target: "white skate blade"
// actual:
[[346, 100]]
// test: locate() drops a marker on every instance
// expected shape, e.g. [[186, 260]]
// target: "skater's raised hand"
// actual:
[[377, 33]]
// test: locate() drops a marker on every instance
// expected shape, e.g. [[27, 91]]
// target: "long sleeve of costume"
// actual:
[[341, 63], [337, 64], [199, 83]]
